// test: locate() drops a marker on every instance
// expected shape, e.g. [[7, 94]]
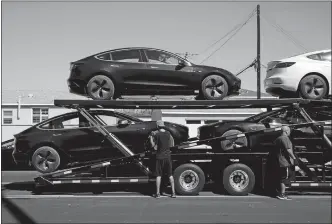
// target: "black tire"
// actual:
[[214, 87], [230, 144], [101, 87], [45, 159], [232, 179], [313, 87], [187, 174]]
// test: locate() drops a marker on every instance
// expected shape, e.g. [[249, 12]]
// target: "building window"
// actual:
[[7, 117], [39, 115], [193, 121]]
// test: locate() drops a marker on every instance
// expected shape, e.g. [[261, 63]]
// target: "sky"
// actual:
[[40, 39]]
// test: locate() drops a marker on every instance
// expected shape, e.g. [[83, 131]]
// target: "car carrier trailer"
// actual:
[[237, 172]]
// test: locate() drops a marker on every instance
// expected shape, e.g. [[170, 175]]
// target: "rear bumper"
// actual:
[[278, 91], [20, 158], [76, 87]]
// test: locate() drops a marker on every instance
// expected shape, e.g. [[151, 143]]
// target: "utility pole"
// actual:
[[258, 54]]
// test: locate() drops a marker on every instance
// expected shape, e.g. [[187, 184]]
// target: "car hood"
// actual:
[[210, 68]]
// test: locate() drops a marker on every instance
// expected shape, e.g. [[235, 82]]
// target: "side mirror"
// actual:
[[182, 63], [123, 123]]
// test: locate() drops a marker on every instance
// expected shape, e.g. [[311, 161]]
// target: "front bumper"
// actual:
[[235, 90]]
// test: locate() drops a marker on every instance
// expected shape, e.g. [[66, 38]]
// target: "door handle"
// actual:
[[153, 67], [57, 134]]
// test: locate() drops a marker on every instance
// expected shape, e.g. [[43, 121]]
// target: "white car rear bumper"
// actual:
[[279, 80]]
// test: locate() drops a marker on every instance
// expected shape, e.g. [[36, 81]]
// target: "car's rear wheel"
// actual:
[[214, 87], [46, 159], [313, 87], [232, 144], [101, 87]]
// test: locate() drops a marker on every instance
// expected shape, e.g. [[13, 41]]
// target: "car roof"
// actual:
[[90, 111], [139, 48], [309, 53]]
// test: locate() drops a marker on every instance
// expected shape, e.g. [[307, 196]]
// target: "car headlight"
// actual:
[[198, 133]]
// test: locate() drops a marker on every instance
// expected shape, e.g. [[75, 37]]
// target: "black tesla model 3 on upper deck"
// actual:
[[148, 71]]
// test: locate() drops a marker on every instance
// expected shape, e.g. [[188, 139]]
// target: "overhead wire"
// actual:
[[241, 26], [234, 28], [287, 34]]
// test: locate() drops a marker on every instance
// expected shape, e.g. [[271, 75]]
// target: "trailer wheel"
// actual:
[[189, 179], [45, 159], [238, 179]]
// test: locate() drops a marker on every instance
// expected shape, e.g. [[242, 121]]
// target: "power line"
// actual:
[[234, 28], [250, 16], [287, 34]]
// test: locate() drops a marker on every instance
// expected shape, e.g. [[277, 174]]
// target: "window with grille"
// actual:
[[7, 117], [39, 115], [193, 121]]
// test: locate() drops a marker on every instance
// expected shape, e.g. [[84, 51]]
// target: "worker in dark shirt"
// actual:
[[285, 160], [162, 141]]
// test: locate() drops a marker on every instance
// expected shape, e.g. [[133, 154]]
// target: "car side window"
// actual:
[[133, 56], [326, 56], [276, 119], [107, 119], [159, 57], [67, 122], [110, 119], [288, 117], [104, 57]]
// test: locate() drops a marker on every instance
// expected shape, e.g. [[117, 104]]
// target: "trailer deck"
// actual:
[[97, 172]]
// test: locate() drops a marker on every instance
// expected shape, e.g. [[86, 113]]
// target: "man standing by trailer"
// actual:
[[285, 158], [162, 141]]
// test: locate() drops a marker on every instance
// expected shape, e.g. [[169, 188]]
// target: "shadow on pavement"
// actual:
[[125, 189]]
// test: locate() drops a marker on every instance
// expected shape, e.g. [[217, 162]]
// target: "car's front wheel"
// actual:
[[214, 87], [45, 159], [101, 87], [313, 87]]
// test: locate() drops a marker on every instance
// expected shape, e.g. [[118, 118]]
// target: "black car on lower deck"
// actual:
[[148, 71], [69, 138], [303, 137]]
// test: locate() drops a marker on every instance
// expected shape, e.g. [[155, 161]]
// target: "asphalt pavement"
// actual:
[[136, 206]]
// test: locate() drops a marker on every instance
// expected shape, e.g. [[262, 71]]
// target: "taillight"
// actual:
[[284, 64], [72, 65]]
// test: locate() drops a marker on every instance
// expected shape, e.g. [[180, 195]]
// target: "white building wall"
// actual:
[[23, 119]]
